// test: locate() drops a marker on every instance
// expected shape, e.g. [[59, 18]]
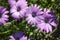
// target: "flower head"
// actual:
[[18, 10], [3, 15], [14, 2], [18, 36], [33, 14], [49, 20]]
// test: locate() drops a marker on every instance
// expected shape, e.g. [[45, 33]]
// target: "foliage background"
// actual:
[[30, 30]]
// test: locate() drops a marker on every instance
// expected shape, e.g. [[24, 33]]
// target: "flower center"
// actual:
[[17, 39], [18, 9], [18, 35], [46, 20], [16, 0], [33, 14], [0, 14]]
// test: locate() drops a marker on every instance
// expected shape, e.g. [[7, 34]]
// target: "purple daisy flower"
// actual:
[[33, 14], [3, 15], [49, 20], [18, 10], [18, 36], [14, 2]]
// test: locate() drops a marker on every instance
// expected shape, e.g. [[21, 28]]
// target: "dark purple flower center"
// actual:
[[16, 0], [18, 9], [33, 14], [17, 38], [46, 19], [0, 14], [18, 35]]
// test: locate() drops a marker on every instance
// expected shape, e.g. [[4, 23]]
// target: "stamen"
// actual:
[[33, 14], [16, 0], [18, 9]]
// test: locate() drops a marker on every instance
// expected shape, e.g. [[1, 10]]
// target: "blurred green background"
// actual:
[[30, 30]]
